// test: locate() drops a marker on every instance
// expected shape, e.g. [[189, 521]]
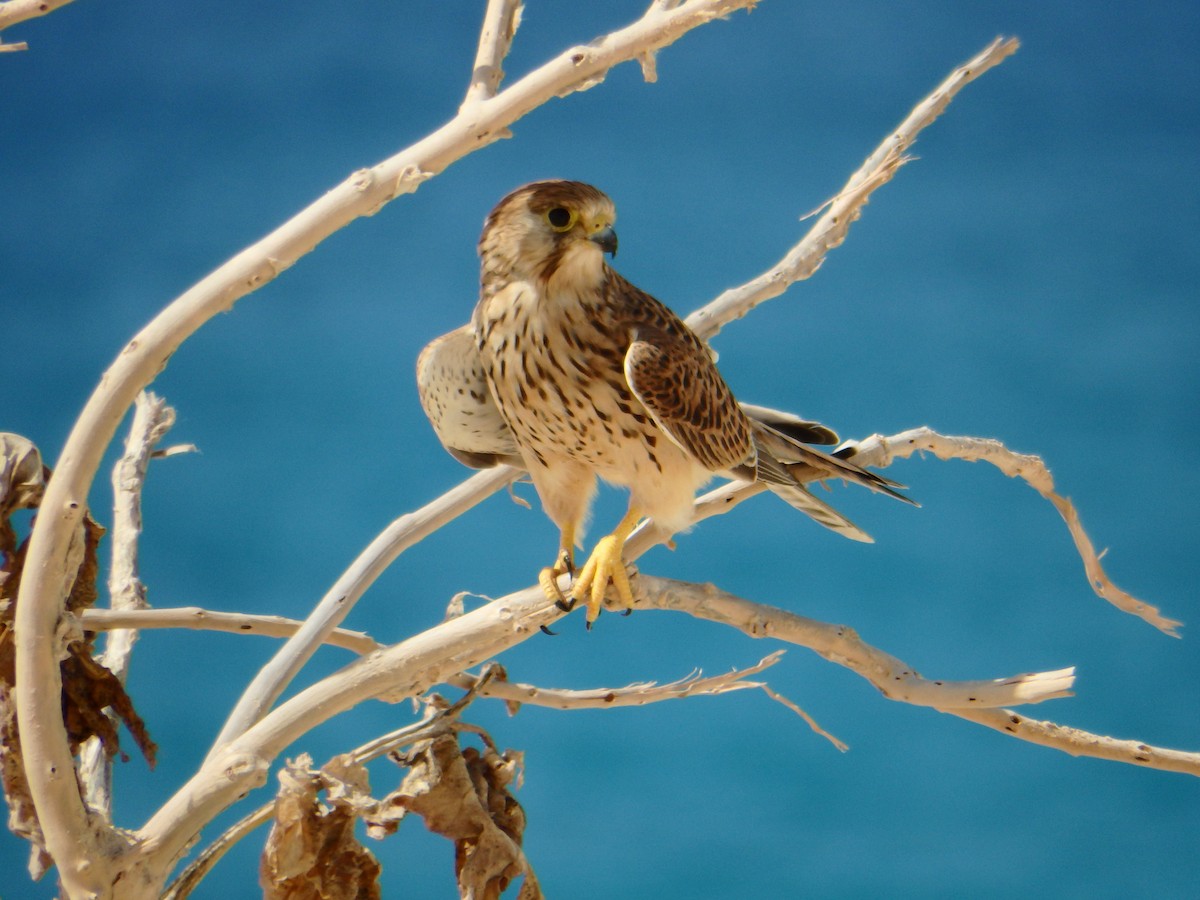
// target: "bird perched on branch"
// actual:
[[570, 372]]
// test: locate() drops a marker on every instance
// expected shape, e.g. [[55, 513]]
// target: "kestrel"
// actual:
[[571, 372]]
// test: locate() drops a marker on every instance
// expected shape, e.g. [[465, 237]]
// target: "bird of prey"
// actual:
[[569, 371]]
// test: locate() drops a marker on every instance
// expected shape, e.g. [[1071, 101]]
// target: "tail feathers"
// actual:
[[779, 480], [801, 460]]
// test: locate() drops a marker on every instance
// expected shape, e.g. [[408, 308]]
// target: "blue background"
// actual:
[[1031, 278]]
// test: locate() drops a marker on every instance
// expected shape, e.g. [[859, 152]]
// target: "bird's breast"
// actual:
[[556, 367]]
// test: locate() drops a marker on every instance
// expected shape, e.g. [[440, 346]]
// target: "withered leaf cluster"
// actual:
[[461, 793], [312, 852], [88, 687]]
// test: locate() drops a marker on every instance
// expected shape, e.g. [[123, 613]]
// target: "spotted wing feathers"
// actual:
[[675, 380]]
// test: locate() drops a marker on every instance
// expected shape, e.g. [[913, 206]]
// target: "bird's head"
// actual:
[[555, 231]]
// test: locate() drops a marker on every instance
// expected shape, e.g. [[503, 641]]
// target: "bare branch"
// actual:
[[896, 680], [194, 617], [1076, 742], [831, 228], [152, 419], [639, 694], [407, 530], [878, 450], [839, 644], [500, 24], [14, 11]]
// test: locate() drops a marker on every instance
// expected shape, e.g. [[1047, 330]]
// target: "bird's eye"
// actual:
[[560, 218]]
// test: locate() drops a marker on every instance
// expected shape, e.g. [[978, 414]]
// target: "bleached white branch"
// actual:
[[878, 450], [1077, 742], [843, 210], [638, 694], [899, 681], [333, 608], [79, 846], [839, 644], [152, 419], [196, 618], [14, 11], [500, 24]]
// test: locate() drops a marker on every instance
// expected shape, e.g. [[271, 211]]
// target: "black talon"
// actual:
[[564, 604], [627, 611], [546, 630]]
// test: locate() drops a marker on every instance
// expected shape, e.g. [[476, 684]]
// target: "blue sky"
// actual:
[[1031, 277]]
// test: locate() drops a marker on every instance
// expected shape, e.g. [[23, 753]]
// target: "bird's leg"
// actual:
[[564, 563], [607, 563]]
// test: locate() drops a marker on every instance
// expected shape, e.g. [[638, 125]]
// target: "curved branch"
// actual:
[[78, 847], [895, 679], [500, 24], [878, 450]]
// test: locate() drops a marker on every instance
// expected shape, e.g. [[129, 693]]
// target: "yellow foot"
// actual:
[[548, 579], [604, 566]]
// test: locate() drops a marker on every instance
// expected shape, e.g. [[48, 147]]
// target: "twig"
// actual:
[[879, 451], [1077, 742], [831, 228], [607, 698], [194, 617], [641, 694], [152, 419]]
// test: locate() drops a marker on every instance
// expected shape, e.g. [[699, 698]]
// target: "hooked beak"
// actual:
[[605, 239]]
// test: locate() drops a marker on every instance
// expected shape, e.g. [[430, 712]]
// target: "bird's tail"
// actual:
[[784, 465], [806, 463]]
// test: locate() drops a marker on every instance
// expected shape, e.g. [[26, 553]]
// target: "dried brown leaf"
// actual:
[[463, 795], [312, 853], [88, 687]]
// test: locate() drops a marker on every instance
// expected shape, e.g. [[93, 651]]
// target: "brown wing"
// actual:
[[681, 389]]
